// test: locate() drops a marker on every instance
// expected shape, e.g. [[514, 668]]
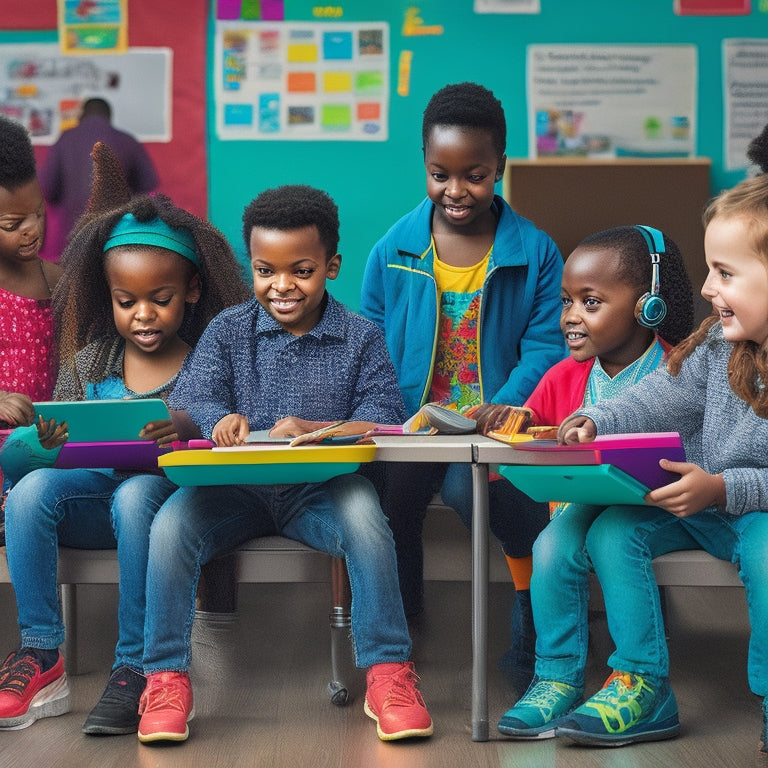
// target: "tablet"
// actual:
[[599, 484], [104, 421]]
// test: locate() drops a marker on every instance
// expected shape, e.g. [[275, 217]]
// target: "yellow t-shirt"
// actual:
[[456, 377]]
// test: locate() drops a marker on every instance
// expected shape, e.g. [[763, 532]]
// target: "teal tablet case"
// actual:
[[104, 421], [600, 484]]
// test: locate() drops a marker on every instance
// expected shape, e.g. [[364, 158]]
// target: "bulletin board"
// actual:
[[301, 82], [433, 43], [43, 88]]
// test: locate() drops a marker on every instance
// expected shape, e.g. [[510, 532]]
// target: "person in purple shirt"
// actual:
[[66, 174]]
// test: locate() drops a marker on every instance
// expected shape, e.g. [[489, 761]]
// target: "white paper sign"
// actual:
[[612, 100], [745, 82]]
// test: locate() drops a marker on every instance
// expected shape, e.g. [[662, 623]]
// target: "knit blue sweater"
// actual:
[[246, 363]]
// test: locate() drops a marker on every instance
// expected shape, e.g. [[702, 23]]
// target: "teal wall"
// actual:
[[374, 183]]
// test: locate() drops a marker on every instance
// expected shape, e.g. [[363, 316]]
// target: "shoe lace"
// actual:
[[17, 672], [402, 691], [620, 702], [166, 696], [618, 686], [545, 695]]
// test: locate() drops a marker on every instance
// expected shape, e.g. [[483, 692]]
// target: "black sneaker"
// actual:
[[117, 711]]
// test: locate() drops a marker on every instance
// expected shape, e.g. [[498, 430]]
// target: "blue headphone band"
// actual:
[[651, 308]]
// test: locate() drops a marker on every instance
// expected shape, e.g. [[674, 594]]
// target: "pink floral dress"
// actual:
[[27, 346]]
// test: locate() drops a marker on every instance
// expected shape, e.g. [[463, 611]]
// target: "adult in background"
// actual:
[[67, 172]]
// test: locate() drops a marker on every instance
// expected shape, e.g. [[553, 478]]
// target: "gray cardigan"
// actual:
[[720, 432]]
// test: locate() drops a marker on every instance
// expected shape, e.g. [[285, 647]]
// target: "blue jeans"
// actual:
[[560, 595], [514, 518], [341, 516], [622, 542], [78, 508]]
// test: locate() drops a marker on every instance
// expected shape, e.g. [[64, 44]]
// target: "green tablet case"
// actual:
[[104, 421], [599, 484]]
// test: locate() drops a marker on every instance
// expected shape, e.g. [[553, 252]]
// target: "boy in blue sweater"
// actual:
[[288, 359]]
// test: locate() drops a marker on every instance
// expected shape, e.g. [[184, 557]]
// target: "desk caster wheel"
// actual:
[[339, 694]]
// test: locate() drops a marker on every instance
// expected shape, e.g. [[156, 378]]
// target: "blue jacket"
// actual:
[[519, 335]]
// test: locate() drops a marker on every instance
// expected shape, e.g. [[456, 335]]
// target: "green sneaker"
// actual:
[[629, 708], [764, 732], [537, 713]]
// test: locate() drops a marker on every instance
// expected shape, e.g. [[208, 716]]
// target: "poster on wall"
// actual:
[[302, 81], [42, 88], [745, 84], [95, 26], [611, 100]]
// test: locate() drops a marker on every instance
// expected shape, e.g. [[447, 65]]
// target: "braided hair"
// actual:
[[748, 365], [635, 269]]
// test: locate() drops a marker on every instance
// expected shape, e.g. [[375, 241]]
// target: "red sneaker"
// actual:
[[395, 703], [166, 707], [28, 694]]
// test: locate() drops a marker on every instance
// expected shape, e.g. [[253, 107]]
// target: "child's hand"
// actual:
[[16, 409], [291, 426], [162, 432], [231, 430], [694, 491], [50, 434], [576, 429]]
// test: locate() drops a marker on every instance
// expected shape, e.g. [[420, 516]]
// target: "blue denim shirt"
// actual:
[[246, 363]]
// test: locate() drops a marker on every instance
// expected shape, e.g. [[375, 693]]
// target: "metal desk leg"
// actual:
[[479, 602]]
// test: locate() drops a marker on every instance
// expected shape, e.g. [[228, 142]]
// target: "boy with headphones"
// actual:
[[617, 332]]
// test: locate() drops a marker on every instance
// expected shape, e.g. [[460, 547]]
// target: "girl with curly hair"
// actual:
[[142, 280]]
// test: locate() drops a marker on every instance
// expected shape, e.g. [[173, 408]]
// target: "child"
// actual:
[[604, 280], [27, 349], [467, 293], [141, 282], [712, 393], [288, 358]]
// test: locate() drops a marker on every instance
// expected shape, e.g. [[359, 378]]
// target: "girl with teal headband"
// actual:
[[142, 279]]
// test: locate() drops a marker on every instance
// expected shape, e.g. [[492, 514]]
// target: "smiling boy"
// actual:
[[287, 359]]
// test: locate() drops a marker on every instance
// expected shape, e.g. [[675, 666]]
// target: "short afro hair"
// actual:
[[634, 269], [294, 206], [17, 160], [468, 105]]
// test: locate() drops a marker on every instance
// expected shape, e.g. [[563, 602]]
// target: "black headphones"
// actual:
[[651, 308]]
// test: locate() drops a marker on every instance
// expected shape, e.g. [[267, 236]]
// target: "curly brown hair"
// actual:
[[748, 365], [82, 303]]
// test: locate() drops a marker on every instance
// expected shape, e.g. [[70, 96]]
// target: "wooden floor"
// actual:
[[260, 694]]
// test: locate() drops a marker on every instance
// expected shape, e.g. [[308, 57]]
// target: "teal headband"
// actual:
[[129, 231]]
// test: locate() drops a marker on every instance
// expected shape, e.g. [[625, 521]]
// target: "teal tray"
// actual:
[[600, 484], [103, 421]]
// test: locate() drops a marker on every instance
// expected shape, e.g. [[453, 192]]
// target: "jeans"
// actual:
[[514, 518], [341, 516], [405, 490], [560, 595], [78, 508], [622, 542]]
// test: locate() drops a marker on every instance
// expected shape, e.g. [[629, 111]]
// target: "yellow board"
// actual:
[[263, 464]]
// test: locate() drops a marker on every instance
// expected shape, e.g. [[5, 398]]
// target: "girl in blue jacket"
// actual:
[[467, 293]]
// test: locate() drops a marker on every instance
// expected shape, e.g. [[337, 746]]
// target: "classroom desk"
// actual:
[[480, 452]]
